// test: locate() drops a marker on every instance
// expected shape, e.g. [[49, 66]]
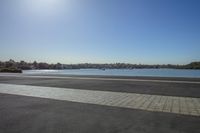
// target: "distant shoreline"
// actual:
[[10, 70], [14, 70], [22, 65]]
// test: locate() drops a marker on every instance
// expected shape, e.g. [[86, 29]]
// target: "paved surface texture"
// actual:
[[117, 78], [134, 105], [178, 105], [21, 114], [141, 87]]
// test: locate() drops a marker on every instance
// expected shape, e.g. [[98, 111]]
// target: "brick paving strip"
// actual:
[[155, 103]]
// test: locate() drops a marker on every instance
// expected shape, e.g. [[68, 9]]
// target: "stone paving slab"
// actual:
[[155, 103]]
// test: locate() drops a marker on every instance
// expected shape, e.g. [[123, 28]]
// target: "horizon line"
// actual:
[[96, 63]]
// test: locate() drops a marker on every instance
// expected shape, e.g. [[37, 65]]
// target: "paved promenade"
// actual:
[[158, 103], [97, 104]]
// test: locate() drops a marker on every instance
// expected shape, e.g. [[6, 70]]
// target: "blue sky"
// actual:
[[100, 31]]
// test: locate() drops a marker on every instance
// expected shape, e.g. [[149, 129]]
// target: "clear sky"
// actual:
[[100, 31]]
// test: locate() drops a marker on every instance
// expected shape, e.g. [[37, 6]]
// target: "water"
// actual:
[[121, 72]]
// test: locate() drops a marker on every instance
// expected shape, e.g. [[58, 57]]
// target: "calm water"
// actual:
[[121, 72]]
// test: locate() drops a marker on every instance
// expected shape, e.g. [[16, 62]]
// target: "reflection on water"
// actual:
[[121, 72]]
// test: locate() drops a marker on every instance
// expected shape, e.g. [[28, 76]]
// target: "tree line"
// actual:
[[22, 65]]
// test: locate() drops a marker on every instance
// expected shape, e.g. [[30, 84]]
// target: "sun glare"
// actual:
[[45, 7]]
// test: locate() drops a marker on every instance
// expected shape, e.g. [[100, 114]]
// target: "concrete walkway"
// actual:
[[155, 103], [101, 78]]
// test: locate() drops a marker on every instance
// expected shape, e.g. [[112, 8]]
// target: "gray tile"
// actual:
[[157, 103]]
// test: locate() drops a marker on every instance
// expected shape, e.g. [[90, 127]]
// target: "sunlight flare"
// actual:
[[45, 7]]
